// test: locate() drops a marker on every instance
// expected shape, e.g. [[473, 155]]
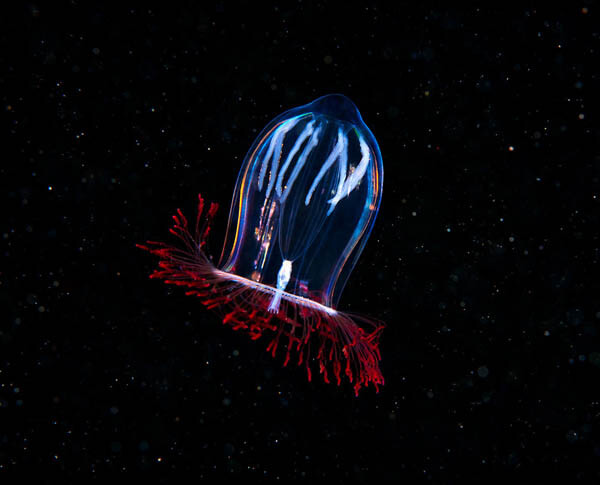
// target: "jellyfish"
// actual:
[[304, 204]]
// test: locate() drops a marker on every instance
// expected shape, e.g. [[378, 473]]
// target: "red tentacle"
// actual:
[[343, 341]]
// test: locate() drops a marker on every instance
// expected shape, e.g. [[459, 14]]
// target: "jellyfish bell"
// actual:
[[305, 202], [307, 194]]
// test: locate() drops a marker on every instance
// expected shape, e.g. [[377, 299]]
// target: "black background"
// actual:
[[483, 261]]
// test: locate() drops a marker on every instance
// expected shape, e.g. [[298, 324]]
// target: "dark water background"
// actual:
[[483, 261]]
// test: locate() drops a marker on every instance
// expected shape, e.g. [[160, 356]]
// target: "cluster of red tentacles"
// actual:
[[329, 337]]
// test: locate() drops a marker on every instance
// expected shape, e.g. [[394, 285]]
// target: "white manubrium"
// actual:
[[283, 278], [309, 137]]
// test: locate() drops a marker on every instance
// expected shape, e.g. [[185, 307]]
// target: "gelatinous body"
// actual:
[[304, 204]]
